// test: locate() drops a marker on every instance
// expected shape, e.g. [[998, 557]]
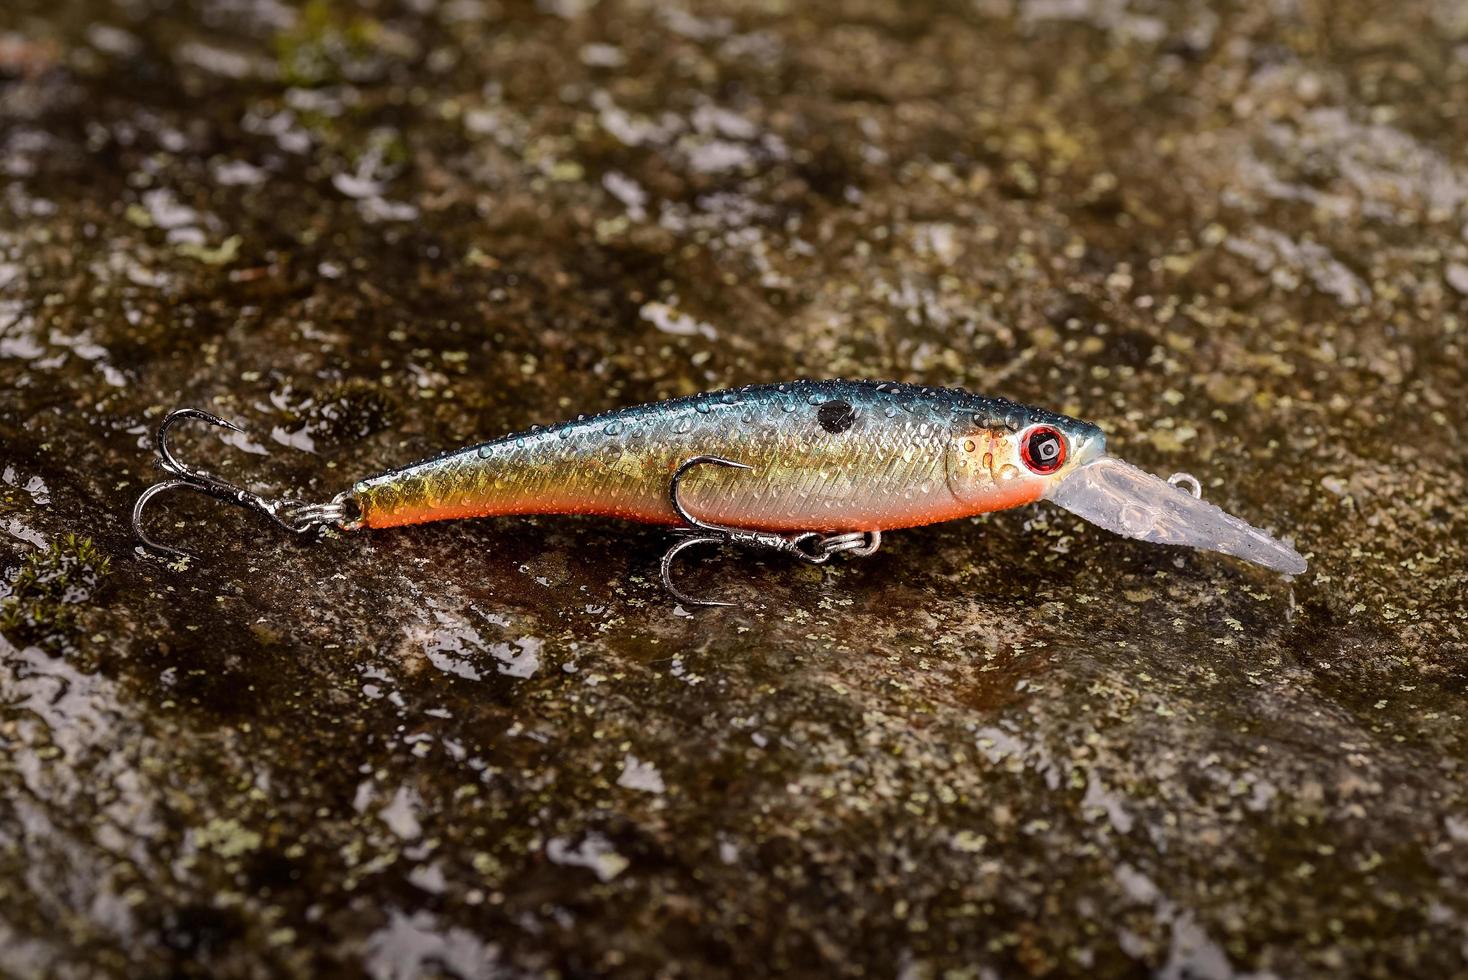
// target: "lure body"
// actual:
[[808, 468], [822, 456]]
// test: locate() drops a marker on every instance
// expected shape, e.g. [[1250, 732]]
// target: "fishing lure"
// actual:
[[811, 469]]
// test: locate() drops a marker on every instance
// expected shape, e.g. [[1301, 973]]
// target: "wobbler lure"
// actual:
[[812, 469]]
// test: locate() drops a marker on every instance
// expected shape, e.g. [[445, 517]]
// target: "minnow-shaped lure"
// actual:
[[809, 468]]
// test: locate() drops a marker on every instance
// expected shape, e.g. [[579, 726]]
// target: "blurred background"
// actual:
[[1233, 234]]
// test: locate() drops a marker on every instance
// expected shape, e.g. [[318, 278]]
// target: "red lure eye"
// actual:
[[1043, 449]]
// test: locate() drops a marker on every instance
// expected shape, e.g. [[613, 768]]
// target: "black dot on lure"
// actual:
[[836, 416]]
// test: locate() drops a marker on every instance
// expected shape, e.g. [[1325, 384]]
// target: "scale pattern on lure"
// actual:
[[810, 468], [823, 456]]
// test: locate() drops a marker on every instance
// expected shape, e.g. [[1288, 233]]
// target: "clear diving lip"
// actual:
[[1136, 504]]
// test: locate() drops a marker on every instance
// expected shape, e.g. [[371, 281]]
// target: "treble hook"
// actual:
[[292, 515], [811, 547]]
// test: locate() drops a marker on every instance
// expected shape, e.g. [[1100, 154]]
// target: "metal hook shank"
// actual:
[[812, 547], [289, 515]]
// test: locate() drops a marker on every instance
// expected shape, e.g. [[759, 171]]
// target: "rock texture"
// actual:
[[1233, 234]]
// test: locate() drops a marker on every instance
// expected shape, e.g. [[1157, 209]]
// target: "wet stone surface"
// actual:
[[1234, 235]]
